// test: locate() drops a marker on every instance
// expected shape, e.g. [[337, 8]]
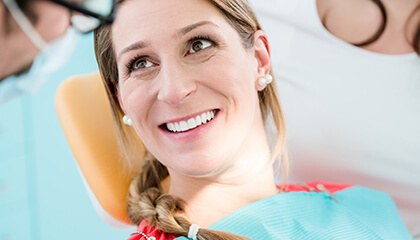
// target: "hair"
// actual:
[[415, 41], [146, 200]]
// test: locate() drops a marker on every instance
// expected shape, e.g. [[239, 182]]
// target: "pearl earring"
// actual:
[[263, 81], [127, 121]]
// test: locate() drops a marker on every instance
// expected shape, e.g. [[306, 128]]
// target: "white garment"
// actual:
[[351, 115]]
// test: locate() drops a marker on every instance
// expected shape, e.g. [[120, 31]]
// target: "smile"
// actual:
[[191, 123]]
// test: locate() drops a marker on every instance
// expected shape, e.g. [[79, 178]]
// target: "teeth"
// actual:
[[183, 125], [204, 118], [190, 123]]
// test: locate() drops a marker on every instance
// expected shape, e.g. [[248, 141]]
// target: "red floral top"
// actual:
[[149, 232], [314, 187]]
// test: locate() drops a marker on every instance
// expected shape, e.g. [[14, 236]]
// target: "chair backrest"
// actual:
[[85, 115]]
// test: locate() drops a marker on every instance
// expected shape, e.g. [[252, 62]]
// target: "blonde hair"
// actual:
[[146, 200]]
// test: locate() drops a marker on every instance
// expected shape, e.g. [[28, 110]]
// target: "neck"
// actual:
[[245, 175], [208, 200]]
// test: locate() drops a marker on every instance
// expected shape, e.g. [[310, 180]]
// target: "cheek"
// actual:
[[138, 106], [134, 99], [231, 73]]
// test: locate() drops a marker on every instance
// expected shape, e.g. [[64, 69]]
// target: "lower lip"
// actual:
[[192, 134]]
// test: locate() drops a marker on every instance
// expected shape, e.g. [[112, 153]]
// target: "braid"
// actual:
[[164, 211], [152, 173], [159, 209]]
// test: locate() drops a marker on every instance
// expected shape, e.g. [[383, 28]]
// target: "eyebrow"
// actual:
[[181, 32], [191, 27], [134, 46]]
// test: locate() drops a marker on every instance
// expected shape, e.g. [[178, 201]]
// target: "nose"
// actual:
[[175, 83]]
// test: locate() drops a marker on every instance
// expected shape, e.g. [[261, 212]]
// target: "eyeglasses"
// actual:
[[90, 13]]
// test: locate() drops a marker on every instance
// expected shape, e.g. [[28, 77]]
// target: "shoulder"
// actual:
[[338, 17]]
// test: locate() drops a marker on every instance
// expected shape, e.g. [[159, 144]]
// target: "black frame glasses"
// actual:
[[103, 19]]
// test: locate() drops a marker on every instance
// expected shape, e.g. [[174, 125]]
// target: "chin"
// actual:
[[198, 167]]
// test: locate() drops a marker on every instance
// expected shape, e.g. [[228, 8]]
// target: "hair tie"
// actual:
[[193, 231]]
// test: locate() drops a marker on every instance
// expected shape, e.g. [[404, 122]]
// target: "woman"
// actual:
[[192, 80]]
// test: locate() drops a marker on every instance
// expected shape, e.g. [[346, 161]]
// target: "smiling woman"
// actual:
[[192, 80]]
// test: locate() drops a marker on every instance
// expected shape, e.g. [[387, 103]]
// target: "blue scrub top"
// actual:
[[353, 213]]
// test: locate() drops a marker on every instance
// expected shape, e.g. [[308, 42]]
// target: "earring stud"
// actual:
[[127, 120], [264, 81]]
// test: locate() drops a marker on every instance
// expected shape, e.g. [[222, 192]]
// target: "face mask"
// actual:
[[52, 56]]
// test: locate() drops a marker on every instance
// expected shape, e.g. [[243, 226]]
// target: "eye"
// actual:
[[139, 64], [199, 44]]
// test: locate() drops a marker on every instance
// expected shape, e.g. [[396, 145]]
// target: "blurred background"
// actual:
[[42, 194]]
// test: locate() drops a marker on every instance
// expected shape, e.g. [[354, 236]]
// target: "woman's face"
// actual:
[[188, 84]]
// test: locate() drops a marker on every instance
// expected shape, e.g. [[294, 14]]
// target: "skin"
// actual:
[[18, 51], [341, 21], [224, 164]]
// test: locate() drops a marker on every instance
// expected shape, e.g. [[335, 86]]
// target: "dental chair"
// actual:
[[85, 115]]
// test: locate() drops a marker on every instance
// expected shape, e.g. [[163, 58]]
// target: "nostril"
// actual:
[[174, 90], [174, 96]]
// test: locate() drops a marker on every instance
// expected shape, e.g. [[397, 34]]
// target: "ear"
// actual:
[[262, 55]]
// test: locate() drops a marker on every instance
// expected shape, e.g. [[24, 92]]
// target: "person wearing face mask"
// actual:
[[39, 182], [33, 48]]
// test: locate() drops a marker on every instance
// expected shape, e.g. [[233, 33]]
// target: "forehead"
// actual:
[[152, 19]]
